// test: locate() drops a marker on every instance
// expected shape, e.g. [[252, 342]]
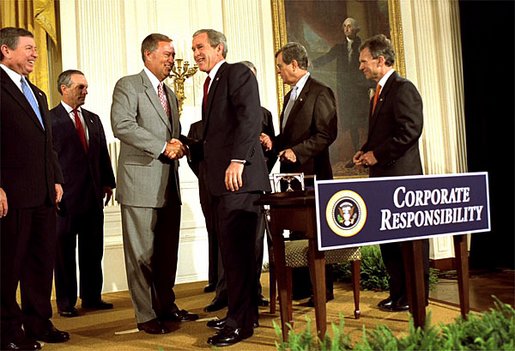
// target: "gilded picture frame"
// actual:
[[317, 24]]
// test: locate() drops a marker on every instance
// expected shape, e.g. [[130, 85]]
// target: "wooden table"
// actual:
[[297, 211]]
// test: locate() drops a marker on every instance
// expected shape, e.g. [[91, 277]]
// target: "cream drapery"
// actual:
[[39, 17]]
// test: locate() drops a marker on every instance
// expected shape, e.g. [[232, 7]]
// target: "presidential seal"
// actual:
[[346, 213]]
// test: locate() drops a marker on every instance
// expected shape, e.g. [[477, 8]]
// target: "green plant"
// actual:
[[373, 272], [492, 330]]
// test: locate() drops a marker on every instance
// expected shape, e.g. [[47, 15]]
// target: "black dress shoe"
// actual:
[[153, 326], [229, 336], [262, 302], [394, 306], [69, 312], [209, 288], [311, 301], [386, 302], [96, 305], [215, 305], [219, 324], [179, 316], [51, 335], [20, 343]]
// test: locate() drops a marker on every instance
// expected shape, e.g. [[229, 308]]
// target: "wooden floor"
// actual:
[[483, 285]]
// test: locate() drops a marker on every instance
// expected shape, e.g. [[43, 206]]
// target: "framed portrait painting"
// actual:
[[332, 31]]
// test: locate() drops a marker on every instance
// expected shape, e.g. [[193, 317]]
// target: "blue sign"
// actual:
[[369, 211]]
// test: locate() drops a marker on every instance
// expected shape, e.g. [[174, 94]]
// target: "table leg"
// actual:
[[414, 271], [317, 271], [282, 278], [462, 268]]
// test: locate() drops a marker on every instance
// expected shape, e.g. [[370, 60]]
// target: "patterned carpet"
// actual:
[[115, 329]]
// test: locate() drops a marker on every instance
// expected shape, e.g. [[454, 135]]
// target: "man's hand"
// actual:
[[58, 194], [175, 149], [364, 159], [265, 141], [108, 193], [3, 203], [233, 179], [287, 155]]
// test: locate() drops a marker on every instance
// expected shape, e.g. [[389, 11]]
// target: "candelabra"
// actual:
[[180, 72]]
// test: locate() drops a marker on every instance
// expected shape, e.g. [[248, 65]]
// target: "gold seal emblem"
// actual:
[[346, 213]]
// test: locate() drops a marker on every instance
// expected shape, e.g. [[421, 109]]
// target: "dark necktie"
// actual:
[[80, 130], [206, 89]]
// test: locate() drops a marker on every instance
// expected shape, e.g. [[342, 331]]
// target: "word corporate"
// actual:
[[403, 198]]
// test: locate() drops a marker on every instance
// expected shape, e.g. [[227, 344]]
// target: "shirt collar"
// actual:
[[301, 82], [383, 80], [68, 108], [214, 70], [153, 79], [15, 76]]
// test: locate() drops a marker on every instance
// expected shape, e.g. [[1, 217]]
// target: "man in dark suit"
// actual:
[[352, 88], [81, 147], [234, 161], [308, 127], [144, 116], [216, 276], [391, 149], [30, 189], [220, 299]]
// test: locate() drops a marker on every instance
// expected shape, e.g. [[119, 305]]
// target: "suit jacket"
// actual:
[[309, 131], [231, 129], [29, 166], [196, 133], [81, 169], [268, 129], [139, 121], [395, 128]]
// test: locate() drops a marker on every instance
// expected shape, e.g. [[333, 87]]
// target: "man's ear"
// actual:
[[4, 49], [220, 49]]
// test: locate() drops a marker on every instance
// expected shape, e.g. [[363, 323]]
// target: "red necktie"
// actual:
[[80, 130], [206, 88], [376, 97], [162, 99]]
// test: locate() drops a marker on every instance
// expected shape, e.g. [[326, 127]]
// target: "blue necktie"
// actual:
[[31, 99]]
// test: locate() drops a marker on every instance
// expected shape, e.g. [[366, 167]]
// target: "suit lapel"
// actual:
[[16, 93], [92, 130], [285, 103], [154, 99], [297, 106], [381, 100], [41, 103], [212, 90], [174, 111]]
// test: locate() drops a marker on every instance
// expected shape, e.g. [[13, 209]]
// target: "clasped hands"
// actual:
[[364, 159], [175, 149]]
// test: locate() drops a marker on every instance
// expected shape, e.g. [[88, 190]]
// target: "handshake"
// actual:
[[175, 149]]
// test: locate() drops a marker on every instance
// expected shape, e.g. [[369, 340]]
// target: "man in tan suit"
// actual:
[[145, 118]]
